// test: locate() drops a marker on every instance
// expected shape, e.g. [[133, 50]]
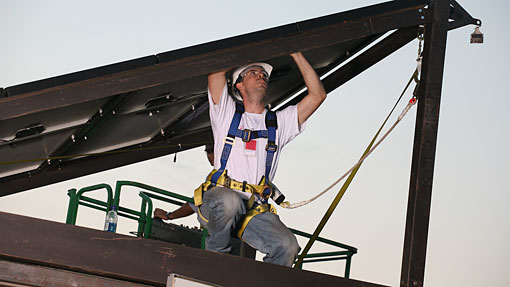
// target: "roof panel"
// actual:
[[28, 155], [123, 130], [58, 119]]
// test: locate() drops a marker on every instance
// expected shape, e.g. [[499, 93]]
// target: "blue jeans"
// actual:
[[265, 232]]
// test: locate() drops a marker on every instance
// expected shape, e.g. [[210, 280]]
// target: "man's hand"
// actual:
[[160, 213]]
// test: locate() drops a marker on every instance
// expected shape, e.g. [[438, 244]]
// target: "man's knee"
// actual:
[[290, 247], [286, 250]]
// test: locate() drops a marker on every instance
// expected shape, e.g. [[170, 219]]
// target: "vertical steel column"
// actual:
[[422, 168]]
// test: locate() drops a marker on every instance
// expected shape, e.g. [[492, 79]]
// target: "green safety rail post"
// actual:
[[205, 233], [76, 198], [72, 208], [345, 254], [145, 222], [143, 217]]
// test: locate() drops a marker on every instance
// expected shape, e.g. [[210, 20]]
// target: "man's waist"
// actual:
[[244, 186]]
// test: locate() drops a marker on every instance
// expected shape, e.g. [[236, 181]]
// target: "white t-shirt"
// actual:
[[247, 161]]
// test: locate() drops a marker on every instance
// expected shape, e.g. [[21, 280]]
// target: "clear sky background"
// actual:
[[469, 229]]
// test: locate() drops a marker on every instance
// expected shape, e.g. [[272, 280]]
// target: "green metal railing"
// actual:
[[329, 256], [144, 215], [76, 198]]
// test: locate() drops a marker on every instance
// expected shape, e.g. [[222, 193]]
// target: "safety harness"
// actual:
[[219, 177]]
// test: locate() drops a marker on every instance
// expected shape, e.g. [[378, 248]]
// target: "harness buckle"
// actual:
[[267, 192], [271, 147], [227, 182], [230, 141], [246, 135]]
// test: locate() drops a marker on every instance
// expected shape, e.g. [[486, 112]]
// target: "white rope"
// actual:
[[289, 205]]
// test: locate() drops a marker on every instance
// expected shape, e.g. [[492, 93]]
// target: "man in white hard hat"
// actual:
[[234, 199]]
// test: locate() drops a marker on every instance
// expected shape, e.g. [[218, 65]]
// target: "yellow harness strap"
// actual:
[[197, 198], [227, 182], [251, 213]]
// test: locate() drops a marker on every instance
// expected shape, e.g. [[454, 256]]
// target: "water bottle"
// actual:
[[110, 222]]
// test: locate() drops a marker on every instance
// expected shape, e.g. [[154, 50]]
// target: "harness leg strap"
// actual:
[[251, 213]]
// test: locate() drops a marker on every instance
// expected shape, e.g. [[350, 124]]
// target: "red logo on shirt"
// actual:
[[251, 145]]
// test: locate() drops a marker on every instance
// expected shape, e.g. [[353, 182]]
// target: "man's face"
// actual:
[[254, 82]]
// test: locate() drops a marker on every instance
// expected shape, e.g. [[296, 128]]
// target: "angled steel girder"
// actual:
[[140, 261], [425, 139], [214, 56]]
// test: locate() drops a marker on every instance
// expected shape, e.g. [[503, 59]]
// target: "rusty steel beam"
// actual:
[[19, 274], [425, 139], [204, 59], [143, 261]]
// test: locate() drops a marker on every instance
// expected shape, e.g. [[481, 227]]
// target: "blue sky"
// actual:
[[470, 221]]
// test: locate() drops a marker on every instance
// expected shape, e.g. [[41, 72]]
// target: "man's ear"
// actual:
[[239, 85]]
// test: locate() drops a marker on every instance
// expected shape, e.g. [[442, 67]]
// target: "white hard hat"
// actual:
[[237, 72]]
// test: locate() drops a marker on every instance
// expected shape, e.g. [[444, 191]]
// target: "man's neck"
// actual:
[[254, 108]]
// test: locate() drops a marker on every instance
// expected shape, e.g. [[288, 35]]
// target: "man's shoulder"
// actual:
[[286, 111]]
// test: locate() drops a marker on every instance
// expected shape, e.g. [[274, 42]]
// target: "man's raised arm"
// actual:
[[216, 82], [316, 93]]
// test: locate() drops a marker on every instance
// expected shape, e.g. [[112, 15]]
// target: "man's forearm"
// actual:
[[312, 82], [316, 91], [183, 211], [216, 81]]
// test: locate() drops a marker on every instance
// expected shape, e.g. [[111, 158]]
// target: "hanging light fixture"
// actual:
[[476, 36]]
